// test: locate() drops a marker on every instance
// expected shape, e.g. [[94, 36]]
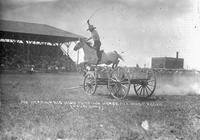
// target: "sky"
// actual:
[[142, 29]]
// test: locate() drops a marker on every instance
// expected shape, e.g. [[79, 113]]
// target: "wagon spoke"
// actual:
[[123, 91], [139, 88], [119, 93], [117, 88], [147, 91], [144, 91], [123, 86], [89, 89], [122, 78], [114, 80], [117, 79], [86, 88], [114, 87], [116, 91], [149, 88], [141, 91]]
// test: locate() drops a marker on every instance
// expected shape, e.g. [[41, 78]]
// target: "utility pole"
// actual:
[[77, 57]]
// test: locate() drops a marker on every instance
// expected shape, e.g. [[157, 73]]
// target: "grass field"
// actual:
[[41, 106]]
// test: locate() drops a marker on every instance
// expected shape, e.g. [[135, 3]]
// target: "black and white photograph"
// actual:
[[100, 69]]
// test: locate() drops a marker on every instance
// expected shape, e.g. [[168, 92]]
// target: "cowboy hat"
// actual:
[[91, 27]]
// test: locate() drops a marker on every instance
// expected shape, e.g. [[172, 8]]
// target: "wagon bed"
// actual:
[[119, 80]]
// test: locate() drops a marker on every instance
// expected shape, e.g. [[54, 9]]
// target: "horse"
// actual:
[[90, 55]]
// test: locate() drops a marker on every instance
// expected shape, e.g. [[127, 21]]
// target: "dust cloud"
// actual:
[[176, 84]]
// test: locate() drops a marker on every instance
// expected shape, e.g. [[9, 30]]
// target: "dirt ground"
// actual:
[[51, 106]]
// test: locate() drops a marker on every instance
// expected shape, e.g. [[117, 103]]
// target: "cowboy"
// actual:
[[96, 39]]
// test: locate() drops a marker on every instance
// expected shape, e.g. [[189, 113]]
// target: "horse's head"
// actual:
[[79, 44]]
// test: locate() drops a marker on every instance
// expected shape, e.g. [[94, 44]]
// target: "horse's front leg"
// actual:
[[83, 68], [114, 65]]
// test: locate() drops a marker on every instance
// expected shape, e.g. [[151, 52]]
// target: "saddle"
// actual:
[[89, 44], [99, 54]]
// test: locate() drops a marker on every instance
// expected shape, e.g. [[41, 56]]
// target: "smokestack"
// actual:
[[176, 55]]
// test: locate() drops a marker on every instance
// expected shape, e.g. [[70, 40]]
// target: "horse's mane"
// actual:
[[89, 44]]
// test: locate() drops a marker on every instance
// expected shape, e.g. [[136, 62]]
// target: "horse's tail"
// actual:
[[119, 56]]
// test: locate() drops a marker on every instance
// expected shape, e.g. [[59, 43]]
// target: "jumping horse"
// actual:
[[90, 55]]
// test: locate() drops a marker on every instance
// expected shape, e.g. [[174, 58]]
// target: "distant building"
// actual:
[[167, 62]]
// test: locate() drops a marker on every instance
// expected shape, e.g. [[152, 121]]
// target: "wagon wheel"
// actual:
[[90, 83], [119, 83], [145, 88]]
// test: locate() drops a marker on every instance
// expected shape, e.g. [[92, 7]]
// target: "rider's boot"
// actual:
[[98, 61], [99, 57]]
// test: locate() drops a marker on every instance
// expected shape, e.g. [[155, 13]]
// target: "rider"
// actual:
[[96, 39]]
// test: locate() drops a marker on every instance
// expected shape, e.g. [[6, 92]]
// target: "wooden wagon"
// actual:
[[119, 80]]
